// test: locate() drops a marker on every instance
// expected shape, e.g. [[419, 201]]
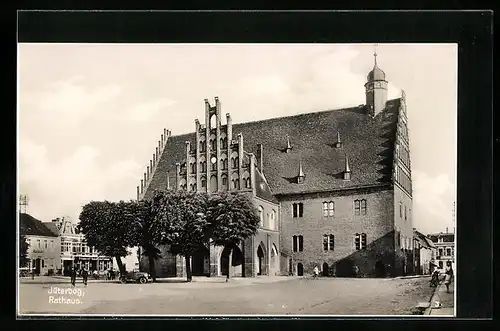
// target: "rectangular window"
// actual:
[[363, 207], [295, 210], [298, 210], [448, 251], [332, 242], [301, 210], [400, 209], [440, 252], [357, 242], [294, 244], [43, 263], [301, 243], [325, 242], [363, 241], [325, 209], [331, 208], [357, 207], [46, 244]]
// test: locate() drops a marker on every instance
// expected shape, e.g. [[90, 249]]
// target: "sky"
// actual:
[[90, 115]]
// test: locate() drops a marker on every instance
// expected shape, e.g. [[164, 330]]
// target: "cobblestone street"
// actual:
[[204, 296]]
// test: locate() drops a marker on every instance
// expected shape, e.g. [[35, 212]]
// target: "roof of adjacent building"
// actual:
[[368, 142], [34, 227], [52, 226], [424, 240], [447, 237]]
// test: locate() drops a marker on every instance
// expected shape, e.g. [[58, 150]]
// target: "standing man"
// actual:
[[73, 276], [85, 275]]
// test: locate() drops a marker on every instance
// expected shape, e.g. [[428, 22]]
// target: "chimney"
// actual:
[[261, 158], [347, 169], [288, 145]]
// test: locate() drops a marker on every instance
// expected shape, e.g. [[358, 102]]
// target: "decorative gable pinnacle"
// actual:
[[288, 145], [338, 143], [347, 169], [301, 176]]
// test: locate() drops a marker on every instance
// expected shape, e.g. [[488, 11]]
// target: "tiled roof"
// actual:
[[34, 227], [52, 226], [424, 240], [262, 189], [447, 237], [368, 143]]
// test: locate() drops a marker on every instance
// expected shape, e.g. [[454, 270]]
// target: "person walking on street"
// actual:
[[315, 272], [73, 276], [449, 275], [85, 275]]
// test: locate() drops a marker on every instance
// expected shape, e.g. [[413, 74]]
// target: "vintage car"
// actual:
[[135, 276]]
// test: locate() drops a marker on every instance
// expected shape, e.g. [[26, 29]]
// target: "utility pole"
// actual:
[[23, 203]]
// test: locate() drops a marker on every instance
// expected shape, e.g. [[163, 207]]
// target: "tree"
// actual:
[[232, 218], [184, 224], [107, 226], [23, 247], [148, 230]]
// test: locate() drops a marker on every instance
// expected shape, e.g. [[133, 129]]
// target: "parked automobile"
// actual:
[[135, 276]]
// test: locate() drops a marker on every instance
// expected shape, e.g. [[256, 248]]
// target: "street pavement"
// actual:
[[446, 300], [240, 296]]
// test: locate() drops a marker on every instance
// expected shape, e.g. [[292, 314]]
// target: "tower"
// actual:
[[376, 89]]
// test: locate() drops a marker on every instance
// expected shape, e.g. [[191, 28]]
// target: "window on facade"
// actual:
[[213, 166], [224, 181], [203, 182], [448, 251], [298, 243], [236, 184], [399, 238], [272, 220], [360, 241], [440, 252], [405, 214], [298, 209], [328, 242], [193, 167], [261, 216], [43, 263], [39, 243], [328, 208], [235, 162], [46, 244], [400, 209], [224, 164], [360, 207], [247, 183]]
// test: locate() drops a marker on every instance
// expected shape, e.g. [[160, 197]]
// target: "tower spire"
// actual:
[[375, 54], [300, 176], [347, 168]]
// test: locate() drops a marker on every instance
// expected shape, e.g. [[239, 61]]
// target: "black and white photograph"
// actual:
[[219, 179]]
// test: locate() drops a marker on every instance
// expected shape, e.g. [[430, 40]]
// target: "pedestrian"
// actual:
[[315, 271], [449, 275], [85, 275], [73, 276], [356, 271], [435, 277]]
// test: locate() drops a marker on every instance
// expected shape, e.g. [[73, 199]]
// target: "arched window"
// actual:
[[325, 209], [203, 182], [213, 146], [236, 184], [193, 167], [224, 182], [248, 183], [261, 216], [272, 220], [223, 162], [360, 207]]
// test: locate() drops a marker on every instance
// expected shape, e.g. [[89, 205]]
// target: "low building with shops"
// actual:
[[424, 250], [44, 248], [74, 250]]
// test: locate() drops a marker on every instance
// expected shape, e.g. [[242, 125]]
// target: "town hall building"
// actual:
[[332, 188]]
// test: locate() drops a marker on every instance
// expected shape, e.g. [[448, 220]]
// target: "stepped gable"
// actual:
[[368, 142]]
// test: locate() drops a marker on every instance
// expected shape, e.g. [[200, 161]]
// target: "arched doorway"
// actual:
[[380, 269], [200, 262], [344, 268], [300, 269], [325, 269], [260, 260], [236, 261]]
